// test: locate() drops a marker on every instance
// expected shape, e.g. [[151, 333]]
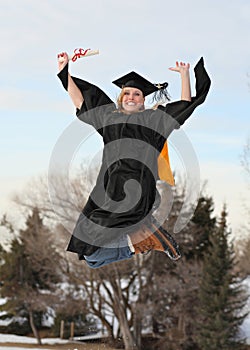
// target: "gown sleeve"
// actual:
[[181, 110], [93, 97]]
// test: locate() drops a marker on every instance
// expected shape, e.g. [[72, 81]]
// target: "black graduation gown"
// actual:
[[125, 194]]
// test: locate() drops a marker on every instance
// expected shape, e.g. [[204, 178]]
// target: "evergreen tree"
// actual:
[[221, 296], [203, 224], [194, 238], [29, 272]]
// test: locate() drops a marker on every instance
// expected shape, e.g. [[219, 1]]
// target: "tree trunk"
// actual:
[[137, 327], [125, 330], [33, 327], [121, 313], [139, 305]]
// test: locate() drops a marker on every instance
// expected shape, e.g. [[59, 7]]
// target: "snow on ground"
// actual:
[[7, 348], [11, 338], [246, 330], [98, 335], [245, 327]]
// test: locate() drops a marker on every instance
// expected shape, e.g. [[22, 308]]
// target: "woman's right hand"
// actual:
[[63, 59]]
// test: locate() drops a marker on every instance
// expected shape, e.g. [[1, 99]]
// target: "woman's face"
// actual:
[[132, 100]]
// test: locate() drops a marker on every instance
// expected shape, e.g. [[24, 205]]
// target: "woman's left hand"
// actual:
[[181, 67], [63, 59]]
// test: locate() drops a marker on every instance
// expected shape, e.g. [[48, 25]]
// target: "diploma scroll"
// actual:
[[79, 53]]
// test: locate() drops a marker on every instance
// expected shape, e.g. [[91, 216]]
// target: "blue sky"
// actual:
[[145, 36]]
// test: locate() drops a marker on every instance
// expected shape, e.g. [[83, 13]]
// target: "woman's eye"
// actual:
[[126, 93]]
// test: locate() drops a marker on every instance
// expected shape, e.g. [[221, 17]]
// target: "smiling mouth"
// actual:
[[131, 103]]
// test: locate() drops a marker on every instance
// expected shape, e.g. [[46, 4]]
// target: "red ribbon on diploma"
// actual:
[[78, 53]]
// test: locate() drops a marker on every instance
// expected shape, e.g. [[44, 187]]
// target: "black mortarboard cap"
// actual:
[[135, 80]]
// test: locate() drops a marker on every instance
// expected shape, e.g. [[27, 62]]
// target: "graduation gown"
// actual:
[[125, 194]]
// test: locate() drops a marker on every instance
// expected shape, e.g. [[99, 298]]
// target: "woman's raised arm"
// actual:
[[183, 69], [74, 92]]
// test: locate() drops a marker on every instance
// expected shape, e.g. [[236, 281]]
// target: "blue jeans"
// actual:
[[104, 256]]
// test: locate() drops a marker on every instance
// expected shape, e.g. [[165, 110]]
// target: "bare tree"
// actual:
[[112, 293]]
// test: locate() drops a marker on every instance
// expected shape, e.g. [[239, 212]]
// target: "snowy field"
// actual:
[[14, 342], [13, 348], [11, 338]]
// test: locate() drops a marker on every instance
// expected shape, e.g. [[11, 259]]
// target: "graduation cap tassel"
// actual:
[[161, 95]]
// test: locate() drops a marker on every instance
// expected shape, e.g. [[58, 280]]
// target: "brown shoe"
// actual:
[[145, 240]]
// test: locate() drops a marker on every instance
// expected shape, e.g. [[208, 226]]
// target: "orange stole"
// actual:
[[164, 169]]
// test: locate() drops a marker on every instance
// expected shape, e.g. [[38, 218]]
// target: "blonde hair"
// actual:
[[119, 100]]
